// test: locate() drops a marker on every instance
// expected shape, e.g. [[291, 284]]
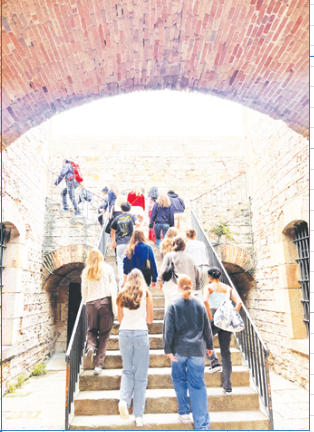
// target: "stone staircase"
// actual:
[[96, 404]]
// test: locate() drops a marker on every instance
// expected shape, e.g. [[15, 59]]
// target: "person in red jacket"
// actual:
[[137, 201]]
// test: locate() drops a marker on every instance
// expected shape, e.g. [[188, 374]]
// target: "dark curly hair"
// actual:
[[214, 272]]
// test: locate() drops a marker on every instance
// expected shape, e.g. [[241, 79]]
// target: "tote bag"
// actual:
[[227, 318]]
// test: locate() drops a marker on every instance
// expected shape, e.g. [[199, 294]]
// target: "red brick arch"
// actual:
[[60, 262], [57, 55]]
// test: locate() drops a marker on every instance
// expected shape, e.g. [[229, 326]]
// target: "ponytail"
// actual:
[[185, 284]]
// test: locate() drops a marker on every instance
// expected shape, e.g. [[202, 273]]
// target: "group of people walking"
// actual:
[[190, 305], [192, 290]]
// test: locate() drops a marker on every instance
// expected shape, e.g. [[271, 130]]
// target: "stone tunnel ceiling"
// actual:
[[58, 54]]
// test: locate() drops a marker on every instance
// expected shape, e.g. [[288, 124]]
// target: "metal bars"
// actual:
[[250, 342], [75, 350], [221, 198], [302, 243]]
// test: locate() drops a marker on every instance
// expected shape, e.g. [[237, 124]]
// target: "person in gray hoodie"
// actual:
[[178, 207]]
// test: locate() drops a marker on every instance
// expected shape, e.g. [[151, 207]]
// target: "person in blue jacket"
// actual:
[[141, 256], [67, 173], [163, 217]]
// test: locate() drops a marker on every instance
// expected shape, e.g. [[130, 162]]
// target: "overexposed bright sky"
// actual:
[[153, 113]]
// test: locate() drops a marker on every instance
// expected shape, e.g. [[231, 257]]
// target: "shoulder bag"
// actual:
[[169, 273], [227, 318]]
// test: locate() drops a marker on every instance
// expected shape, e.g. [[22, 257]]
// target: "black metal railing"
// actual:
[[76, 347], [250, 342], [302, 243]]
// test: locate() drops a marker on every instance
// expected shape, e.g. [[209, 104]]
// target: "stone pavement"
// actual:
[[39, 403]]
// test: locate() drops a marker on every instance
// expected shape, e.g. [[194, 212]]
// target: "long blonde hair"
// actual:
[[137, 236], [163, 201], [185, 284], [166, 244], [93, 269], [114, 187], [130, 297]]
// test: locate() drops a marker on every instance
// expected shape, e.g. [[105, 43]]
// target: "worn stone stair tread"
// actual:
[[155, 341], [159, 393], [159, 378], [220, 420], [157, 359]]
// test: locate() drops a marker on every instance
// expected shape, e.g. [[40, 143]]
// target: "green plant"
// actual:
[[20, 380], [221, 229], [12, 387], [39, 369]]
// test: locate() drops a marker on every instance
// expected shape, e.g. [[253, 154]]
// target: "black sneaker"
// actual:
[[227, 392], [215, 368]]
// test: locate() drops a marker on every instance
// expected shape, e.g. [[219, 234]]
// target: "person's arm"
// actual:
[[113, 290], [153, 265], [136, 221], [120, 314], [206, 301], [84, 288], [149, 308], [113, 238], [168, 333], [62, 174], [182, 203], [208, 335], [153, 215], [197, 278], [235, 297], [171, 217]]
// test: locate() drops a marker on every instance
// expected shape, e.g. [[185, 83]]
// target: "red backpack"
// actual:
[[77, 172]]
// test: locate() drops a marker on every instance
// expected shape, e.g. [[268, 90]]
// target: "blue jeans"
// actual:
[[158, 228], [188, 374], [134, 348], [70, 189]]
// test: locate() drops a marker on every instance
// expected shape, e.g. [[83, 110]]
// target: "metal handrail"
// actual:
[[91, 209], [250, 342], [221, 198], [76, 347]]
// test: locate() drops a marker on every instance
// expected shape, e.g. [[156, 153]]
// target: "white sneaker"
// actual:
[[97, 370], [139, 421], [89, 354], [216, 368], [185, 418], [123, 409]]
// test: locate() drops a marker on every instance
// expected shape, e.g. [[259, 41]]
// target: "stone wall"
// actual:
[[278, 176], [25, 177], [189, 165]]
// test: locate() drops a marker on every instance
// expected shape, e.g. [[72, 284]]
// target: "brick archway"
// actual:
[[236, 256], [60, 262], [60, 55]]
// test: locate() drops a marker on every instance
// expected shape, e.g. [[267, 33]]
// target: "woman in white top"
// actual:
[[99, 291], [197, 250], [135, 309]]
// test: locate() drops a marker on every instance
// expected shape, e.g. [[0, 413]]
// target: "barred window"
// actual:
[[302, 243]]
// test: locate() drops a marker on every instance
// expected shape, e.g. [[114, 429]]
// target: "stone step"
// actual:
[[164, 401], [157, 379], [157, 359], [158, 302], [234, 420], [155, 342], [158, 313], [154, 328]]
